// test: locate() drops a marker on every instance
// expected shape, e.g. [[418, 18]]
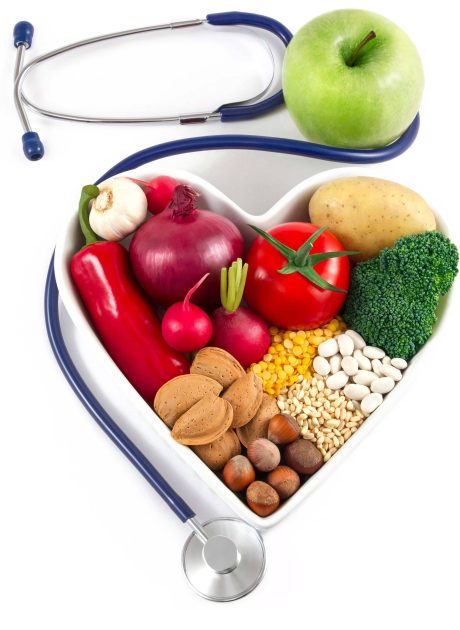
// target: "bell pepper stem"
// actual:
[[87, 193]]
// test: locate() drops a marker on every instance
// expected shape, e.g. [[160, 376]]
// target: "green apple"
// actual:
[[352, 78]]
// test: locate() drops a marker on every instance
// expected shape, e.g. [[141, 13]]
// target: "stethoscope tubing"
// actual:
[[266, 143]]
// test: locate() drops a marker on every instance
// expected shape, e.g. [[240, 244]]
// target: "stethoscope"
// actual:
[[34, 150], [223, 559]]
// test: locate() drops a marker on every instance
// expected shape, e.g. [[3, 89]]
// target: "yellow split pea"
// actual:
[[291, 353]]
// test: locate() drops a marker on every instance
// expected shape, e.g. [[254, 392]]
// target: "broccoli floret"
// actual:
[[393, 297]]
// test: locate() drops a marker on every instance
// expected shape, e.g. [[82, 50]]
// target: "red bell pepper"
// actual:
[[122, 316]]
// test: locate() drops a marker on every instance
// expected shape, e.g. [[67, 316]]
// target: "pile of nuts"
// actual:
[[282, 456], [326, 418], [219, 409], [265, 447]]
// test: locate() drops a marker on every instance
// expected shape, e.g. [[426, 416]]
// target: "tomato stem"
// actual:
[[303, 252], [302, 261]]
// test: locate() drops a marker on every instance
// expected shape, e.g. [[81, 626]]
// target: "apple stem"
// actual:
[[359, 47]]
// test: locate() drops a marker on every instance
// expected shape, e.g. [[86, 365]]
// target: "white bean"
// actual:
[[370, 402], [400, 364], [364, 377], [346, 345], [363, 362], [337, 381], [328, 348], [371, 352], [377, 366], [386, 360], [358, 341], [392, 372], [349, 365], [335, 362], [382, 385], [321, 365], [356, 392]]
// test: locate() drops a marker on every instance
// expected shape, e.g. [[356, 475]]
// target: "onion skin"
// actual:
[[242, 333], [174, 249]]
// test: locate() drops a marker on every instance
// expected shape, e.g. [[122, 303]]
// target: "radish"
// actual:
[[159, 192], [185, 326], [237, 329]]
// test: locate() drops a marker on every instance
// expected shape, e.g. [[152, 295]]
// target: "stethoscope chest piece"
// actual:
[[229, 565]]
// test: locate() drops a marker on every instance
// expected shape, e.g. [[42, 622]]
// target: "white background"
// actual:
[[84, 541]]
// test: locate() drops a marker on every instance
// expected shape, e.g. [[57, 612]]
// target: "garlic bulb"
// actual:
[[118, 210]]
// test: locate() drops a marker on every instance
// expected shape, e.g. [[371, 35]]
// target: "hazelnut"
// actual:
[[303, 457], [283, 429], [238, 473], [264, 454], [262, 498], [284, 480]]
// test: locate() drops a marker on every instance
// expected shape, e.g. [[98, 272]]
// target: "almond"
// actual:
[[179, 394], [216, 454], [258, 426], [203, 423], [245, 396], [218, 365]]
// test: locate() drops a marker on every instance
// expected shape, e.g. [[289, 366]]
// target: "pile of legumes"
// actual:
[[326, 417], [268, 357], [291, 354], [328, 407]]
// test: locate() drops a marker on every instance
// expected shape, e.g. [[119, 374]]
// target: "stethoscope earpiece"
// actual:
[[32, 146]]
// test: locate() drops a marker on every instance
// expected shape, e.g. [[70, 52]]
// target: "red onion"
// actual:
[[174, 249]]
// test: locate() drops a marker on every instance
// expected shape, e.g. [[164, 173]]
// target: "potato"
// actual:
[[367, 214]]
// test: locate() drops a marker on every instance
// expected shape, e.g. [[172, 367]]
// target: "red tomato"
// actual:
[[292, 301]]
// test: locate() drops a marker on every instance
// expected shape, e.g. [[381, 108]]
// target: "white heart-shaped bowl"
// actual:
[[293, 206]]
